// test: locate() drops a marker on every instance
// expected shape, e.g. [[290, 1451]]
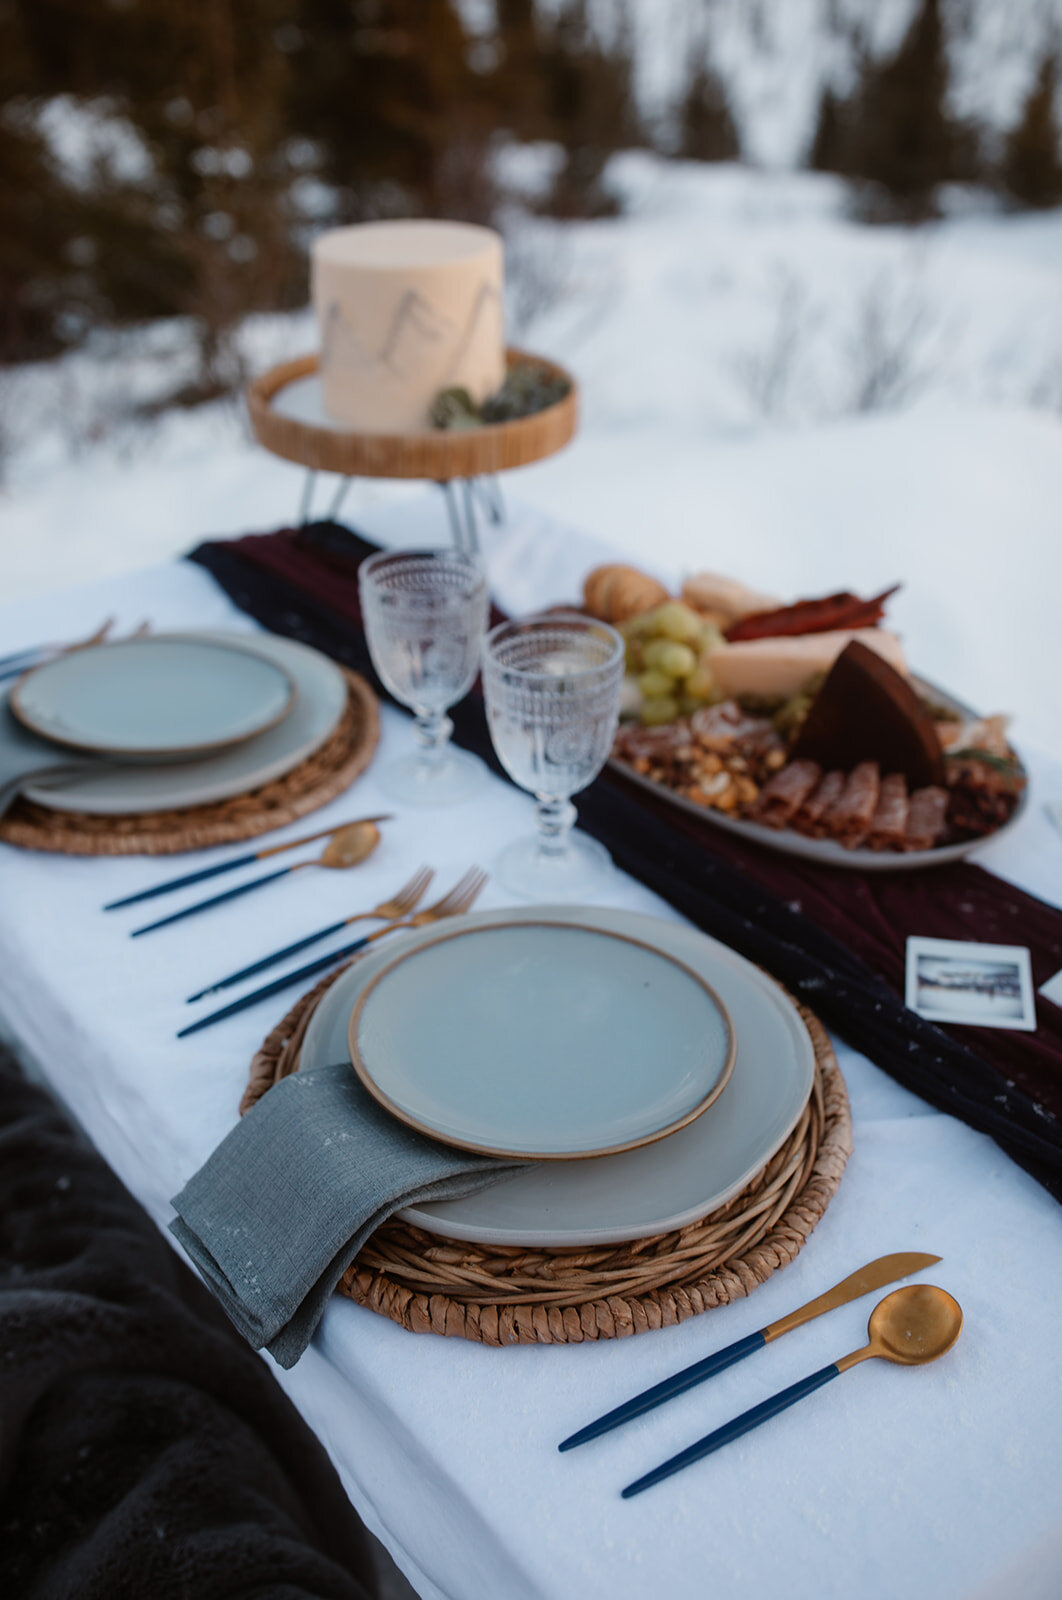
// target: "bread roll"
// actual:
[[615, 592]]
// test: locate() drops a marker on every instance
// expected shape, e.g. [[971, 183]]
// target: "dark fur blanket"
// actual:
[[145, 1452]]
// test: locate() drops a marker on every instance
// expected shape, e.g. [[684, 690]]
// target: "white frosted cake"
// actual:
[[406, 309]]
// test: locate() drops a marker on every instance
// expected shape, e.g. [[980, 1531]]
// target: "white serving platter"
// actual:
[[827, 852]]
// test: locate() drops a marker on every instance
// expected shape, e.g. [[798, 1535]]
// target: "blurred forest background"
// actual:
[[160, 158]]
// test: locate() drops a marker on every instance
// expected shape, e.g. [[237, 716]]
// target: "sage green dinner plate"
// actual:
[[121, 790], [541, 1039], [657, 1187], [165, 696]]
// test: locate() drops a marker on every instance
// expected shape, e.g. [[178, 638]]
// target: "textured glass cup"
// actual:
[[425, 614], [552, 687]]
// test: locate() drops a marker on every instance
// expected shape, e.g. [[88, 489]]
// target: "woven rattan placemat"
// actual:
[[313, 783], [503, 1296]]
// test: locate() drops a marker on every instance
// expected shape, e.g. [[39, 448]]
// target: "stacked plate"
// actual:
[[646, 1071], [176, 720]]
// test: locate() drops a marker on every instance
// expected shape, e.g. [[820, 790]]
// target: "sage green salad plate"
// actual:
[[542, 1039], [659, 1186], [165, 696]]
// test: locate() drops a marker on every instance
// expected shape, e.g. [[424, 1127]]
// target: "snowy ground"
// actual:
[[769, 390]]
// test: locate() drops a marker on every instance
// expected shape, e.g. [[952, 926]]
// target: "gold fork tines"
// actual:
[[459, 899], [401, 903]]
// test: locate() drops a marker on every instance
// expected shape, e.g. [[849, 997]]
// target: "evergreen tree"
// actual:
[[382, 90], [517, 87], [590, 105], [707, 131], [830, 147], [902, 136], [1031, 168]]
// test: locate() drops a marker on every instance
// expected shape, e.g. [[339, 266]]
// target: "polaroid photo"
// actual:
[[984, 985]]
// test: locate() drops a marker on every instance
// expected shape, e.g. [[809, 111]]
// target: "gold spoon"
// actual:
[[347, 848], [910, 1327]]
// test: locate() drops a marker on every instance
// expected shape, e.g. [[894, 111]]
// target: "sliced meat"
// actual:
[[927, 817], [849, 818], [889, 826], [783, 795], [809, 818], [633, 742], [725, 728]]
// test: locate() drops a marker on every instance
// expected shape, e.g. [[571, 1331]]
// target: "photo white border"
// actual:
[[959, 950]]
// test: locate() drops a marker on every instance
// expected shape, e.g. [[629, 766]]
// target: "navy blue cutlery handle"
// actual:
[[180, 883], [16, 670], [734, 1430], [678, 1383], [277, 987], [216, 900], [268, 961]]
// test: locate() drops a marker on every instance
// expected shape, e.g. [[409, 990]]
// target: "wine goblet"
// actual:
[[552, 688], [425, 614]]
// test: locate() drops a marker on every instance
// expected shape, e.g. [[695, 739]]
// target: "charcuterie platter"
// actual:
[[801, 726]]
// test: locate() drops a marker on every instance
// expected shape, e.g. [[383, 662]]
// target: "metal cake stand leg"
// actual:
[[307, 497], [306, 501], [463, 509]]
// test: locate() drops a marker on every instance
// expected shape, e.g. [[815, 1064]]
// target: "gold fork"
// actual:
[[463, 895], [392, 910]]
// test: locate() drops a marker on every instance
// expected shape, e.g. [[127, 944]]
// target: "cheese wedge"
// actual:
[[779, 668]]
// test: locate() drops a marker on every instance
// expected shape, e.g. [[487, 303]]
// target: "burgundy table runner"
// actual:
[[834, 936]]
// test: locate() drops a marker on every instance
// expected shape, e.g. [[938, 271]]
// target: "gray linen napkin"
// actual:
[[279, 1211], [23, 756]]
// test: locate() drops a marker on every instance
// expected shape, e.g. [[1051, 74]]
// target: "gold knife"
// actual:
[[875, 1275]]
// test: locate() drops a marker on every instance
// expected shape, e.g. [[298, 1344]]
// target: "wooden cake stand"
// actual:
[[288, 418]]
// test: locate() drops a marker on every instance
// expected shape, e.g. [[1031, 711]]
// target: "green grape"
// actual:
[[710, 638], [675, 621], [641, 626], [654, 683], [666, 655], [661, 708], [700, 683]]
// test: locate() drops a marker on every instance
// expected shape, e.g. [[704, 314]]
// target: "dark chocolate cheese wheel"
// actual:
[[866, 711]]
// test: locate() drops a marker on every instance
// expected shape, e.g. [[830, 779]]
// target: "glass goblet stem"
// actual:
[[432, 730], [554, 819]]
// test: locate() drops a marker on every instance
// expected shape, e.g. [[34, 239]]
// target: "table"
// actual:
[[942, 1482]]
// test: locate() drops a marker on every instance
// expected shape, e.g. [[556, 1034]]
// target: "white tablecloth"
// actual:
[[942, 1482]]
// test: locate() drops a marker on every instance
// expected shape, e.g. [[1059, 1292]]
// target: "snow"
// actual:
[[729, 332]]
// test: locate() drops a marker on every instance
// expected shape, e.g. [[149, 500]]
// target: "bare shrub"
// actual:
[[768, 376], [538, 273], [898, 345], [1045, 392]]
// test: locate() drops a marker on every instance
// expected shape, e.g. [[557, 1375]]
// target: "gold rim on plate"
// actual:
[[383, 1099]]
